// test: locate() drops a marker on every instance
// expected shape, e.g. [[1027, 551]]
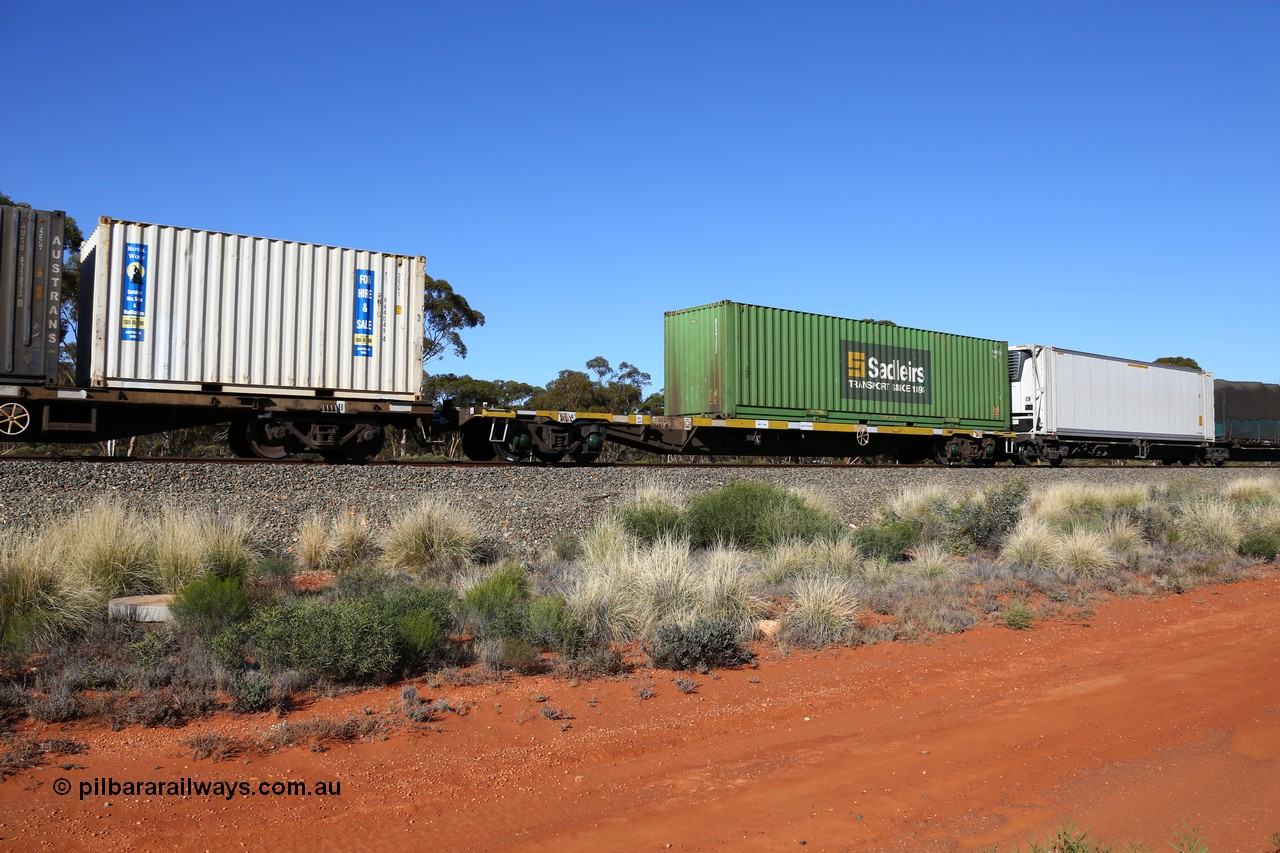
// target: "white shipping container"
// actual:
[[1063, 393], [178, 308]]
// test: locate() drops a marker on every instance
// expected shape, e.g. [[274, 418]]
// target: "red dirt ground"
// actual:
[[1153, 714]]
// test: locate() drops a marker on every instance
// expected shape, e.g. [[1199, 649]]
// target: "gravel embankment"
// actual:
[[525, 507]]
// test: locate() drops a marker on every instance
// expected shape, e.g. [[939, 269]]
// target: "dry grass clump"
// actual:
[[1125, 537], [927, 509], [1253, 491], [1071, 504], [623, 591], [827, 555], [335, 543], [40, 600], [932, 563], [110, 548], [186, 545], [1032, 544], [606, 544], [730, 585], [823, 612], [432, 539], [1082, 555], [1209, 526]]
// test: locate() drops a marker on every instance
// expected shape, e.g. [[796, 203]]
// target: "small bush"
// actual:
[[500, 605], [986, 521], [749, 514], [685, 685], [343, 641], [1017, 616], [209, 605], [250, 693], [422, 637], [110, 547], [651, 514], [887, 539], [1260, 546], [54, 703], [702, 644], [219, 747], [336, 543], [551, 624]]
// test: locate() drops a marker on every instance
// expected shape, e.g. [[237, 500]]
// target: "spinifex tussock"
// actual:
[[40, 601], [433, 538]]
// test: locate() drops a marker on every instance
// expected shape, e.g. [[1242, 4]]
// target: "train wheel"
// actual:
[[475, 443], [15, 419], [584, 457], [365, 445], [238, 439], [550, 458], [260, 445], [516, 446]]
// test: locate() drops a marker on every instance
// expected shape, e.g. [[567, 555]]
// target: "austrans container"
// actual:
[[31, 243]]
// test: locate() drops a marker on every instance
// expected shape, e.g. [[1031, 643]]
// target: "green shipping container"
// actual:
[[745, 361]]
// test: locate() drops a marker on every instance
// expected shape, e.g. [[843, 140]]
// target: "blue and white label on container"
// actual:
[[133, 307], [363, 332]]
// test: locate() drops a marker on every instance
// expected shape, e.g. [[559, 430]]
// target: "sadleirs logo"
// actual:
[[882, 372]]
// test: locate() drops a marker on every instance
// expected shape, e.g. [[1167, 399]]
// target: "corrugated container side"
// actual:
[[1099, 396], [1247, 411], [750, 361], [31, 244], [180, 307]]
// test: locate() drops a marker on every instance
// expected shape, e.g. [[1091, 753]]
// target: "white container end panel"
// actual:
[[178, 307], [1099, 396]]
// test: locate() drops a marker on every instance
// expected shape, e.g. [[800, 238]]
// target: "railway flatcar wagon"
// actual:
[[295, 346], [750, 380], [1068, 403]]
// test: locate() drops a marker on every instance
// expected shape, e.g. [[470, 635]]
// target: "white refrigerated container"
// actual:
[[1068, 394]]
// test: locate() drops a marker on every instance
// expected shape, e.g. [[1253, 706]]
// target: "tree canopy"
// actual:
[[610, 390], [1179, 361], [446, 314]]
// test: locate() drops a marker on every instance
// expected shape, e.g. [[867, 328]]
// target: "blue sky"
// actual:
[[1102, 176]]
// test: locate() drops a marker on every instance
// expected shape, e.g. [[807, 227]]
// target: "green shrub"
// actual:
[[1260, 546], [885, 540], [499, 605], [551, 624], [701, 644], [228, 646], [987, 520], [151, 649], [749, 514], [650, 519], [421, 636], [343, 641], [209, 605]]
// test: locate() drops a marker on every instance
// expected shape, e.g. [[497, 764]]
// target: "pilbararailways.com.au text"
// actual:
[[226, 789]]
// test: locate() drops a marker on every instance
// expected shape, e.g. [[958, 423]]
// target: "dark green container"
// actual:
[[745, 361], [1248, 412]]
